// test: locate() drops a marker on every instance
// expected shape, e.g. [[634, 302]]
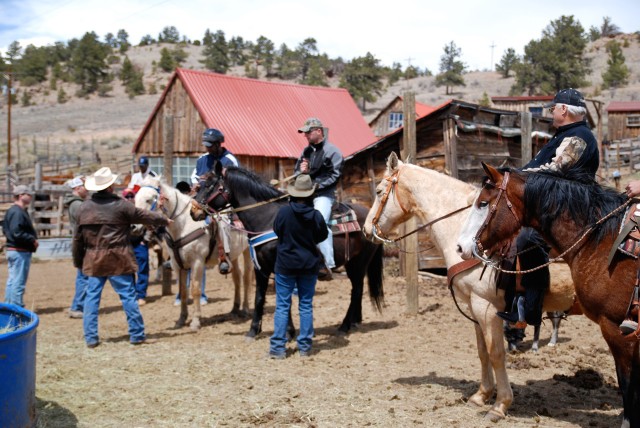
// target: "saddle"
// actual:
[[628, 240], [343, 220]]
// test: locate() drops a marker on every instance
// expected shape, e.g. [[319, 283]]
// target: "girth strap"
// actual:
[[452, 272], [189, 238]]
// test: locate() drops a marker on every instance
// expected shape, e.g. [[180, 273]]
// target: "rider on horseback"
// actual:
[[216, 160], [572, 146]]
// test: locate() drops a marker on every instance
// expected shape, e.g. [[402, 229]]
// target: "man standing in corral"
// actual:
[[102, 249], [72, 202]]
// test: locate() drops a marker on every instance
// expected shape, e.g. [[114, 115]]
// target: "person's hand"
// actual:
[[35, 244], [633, 188], [304, 166], [169, 221]]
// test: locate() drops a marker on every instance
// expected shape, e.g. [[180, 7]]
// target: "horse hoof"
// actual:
[[494, 415], [341, 333], [249, 339], [551, 345], [195, 326], [476, 400]]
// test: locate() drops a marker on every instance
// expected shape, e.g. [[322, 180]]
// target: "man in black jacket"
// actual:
[[323, 162], [22, 241], [573, 146]]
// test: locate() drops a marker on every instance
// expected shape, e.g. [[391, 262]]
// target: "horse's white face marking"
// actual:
[[477, 217], [145, 198], [390, 215]]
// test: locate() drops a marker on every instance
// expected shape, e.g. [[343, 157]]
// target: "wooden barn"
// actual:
[[623, 119], [454, 138], [259, 119], [391, 117]]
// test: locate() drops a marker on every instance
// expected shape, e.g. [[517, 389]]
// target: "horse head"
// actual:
[[387, 211], [496, 215], [212, 193]]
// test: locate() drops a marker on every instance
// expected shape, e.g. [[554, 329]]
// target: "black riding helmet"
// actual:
[[212, 135]]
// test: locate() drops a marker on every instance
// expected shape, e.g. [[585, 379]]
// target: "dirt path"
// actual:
[[396, 370]]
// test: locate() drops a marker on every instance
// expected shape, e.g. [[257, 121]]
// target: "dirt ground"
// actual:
[[395, 370]]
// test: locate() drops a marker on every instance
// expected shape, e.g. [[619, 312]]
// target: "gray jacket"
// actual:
[[325, 166]]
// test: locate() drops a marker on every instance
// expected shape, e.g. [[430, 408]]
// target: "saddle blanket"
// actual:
[[344, 222]]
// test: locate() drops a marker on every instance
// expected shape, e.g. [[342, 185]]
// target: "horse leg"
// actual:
[[627, 360], [235, 276], [262, 282], [354, 313], [491, 351], [247, 279], [536, 338], [196, 283], [160, 263], [556, 318], [182, 287]]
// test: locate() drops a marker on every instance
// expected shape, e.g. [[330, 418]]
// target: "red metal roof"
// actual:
[[423, 109], [623, 106], [260, 118]]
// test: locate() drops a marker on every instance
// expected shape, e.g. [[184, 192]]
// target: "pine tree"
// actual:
[[167, 63], [617, 73], [507, 62], [362, 77], [215, 52], [89, 63], [451, 68], [236, 51], [126, 73]]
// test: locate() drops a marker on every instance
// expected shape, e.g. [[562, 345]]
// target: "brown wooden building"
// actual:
[[623, 119], [391, 117]]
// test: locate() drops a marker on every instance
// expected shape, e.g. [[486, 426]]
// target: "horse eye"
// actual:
[[483, 204]]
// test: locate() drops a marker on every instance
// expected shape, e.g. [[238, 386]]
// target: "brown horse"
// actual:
[[580, 219]]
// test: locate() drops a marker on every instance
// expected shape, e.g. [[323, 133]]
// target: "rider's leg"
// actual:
[[323, 204]]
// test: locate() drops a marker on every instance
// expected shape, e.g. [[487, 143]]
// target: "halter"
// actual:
[[393, 183], [502, 191]]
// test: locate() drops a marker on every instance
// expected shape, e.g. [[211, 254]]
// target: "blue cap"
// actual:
[[143, 161]]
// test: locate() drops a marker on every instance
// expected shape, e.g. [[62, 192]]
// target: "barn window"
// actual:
[[535, 111], [633, 120], [182, 167], [395, 120]]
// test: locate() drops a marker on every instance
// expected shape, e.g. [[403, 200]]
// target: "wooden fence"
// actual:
[[622, 156]]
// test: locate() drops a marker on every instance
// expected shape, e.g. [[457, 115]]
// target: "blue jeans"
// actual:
[[324, 204], [18, 263], [123, 285], [202, 287], [285, 284], [81, 291], [141, 252]]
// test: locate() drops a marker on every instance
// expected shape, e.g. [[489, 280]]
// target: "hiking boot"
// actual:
[[204, 301], [512, 319], [628, 327], [276, 356], [224, 267], [75, 314], [93, 344], [325, 274], [304, 354]]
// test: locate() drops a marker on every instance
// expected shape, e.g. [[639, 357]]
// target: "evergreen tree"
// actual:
[[394, 73], [316, 75], [62, 96], [451, 68], [89, 63], [169, 35], [110, 40], [127, 71], [286, 63], [14, 51], [507, 62], [263, 54], [215, 52], [362, 77], [32, 66], [123, 41], [306, 51], [236, 51], [617, 73], [146, 40], [484, 101], [594, 33], [167, 63], [135, 86], [554, 62], [608, 28], [179, 55]]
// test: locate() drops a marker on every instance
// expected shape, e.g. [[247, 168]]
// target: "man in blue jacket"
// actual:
[[299, 228], [573, 146]]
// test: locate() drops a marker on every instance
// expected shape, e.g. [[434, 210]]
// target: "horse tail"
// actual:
[[374, 275]]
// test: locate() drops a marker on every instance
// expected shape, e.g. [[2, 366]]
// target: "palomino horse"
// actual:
[[193, 244], [440, 200], [256, 205], [579, 219]]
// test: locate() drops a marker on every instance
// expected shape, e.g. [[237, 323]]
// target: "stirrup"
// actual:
[[632, 317]]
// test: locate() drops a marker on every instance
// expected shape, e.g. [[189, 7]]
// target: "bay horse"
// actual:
[[256, 204], [580, 219], [437, 199], [195, 246]]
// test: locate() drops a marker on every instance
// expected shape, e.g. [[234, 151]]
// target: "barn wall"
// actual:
[[618, 128]]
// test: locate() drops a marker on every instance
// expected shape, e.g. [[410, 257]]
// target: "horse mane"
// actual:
[[239, 180], [575, 193]]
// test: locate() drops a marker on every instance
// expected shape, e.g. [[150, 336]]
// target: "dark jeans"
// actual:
[[535, 283]]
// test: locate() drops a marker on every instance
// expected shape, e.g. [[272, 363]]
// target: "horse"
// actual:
[[439, 200], [193, 245], [256, 204], [580, 220]]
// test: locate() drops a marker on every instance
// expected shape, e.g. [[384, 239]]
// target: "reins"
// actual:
[[478, 250]]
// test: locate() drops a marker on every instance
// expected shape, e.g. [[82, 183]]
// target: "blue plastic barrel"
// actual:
[[17, 366]]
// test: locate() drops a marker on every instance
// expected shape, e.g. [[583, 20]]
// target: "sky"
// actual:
[[409, 32]]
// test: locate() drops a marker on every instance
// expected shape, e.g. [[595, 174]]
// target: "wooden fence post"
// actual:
[[167, 172]]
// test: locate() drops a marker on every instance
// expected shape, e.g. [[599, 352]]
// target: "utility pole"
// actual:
[[9, 117], [493, 45]]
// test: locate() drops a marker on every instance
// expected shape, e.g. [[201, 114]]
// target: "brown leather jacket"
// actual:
[[101, 245]]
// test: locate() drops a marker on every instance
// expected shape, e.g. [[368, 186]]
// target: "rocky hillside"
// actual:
[[109, 125]]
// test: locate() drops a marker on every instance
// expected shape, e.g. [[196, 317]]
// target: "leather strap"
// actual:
[[458, 268]]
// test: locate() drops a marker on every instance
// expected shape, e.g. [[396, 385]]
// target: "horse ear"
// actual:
[[491, 172], [392, 162]]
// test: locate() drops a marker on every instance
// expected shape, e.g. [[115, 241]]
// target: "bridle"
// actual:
[[392, 187], [161, 197], [502, 191]]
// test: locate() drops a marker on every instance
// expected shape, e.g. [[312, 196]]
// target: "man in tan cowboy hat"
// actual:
[[300, 228], [102, 249]]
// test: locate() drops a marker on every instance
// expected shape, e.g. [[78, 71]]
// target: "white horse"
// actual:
[[194, 246], [409, 190]]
